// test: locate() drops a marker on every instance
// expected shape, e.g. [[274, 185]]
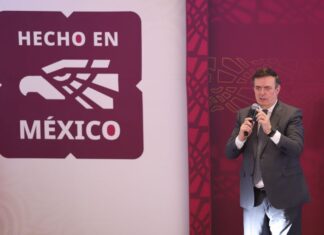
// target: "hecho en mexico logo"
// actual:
[[69, 85]]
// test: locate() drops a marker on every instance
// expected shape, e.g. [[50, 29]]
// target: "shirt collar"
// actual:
[[272, 107]]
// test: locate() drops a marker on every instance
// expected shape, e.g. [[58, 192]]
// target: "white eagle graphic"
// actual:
[[76, 83]]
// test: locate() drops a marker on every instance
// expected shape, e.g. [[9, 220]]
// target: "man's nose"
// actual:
[[262, 90]]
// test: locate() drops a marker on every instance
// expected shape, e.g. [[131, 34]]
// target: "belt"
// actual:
[[259, 195], [260, 189]]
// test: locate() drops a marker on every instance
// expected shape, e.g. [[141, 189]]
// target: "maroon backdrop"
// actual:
[[244, 35], [198, 117]]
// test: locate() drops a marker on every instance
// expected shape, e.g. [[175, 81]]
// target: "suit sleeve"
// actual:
[[292, 140], [231, 150]]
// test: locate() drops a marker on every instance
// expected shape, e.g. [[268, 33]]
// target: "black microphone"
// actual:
[[252, 114]]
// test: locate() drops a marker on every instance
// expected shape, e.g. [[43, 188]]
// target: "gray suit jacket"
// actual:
[[280, 164]]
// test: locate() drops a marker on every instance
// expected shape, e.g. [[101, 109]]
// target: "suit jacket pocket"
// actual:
[[296, 170]]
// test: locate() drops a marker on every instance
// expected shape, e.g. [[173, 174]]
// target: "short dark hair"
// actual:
[[264, 72]]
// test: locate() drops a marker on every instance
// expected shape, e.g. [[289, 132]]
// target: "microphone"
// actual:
[[253, 111], [252, 114]]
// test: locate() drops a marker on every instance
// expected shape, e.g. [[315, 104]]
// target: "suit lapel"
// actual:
[[275, 116]]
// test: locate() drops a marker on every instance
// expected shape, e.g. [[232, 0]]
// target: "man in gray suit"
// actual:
[[270, 139]]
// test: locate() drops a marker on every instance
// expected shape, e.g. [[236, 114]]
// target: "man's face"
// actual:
[[266, 92]]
